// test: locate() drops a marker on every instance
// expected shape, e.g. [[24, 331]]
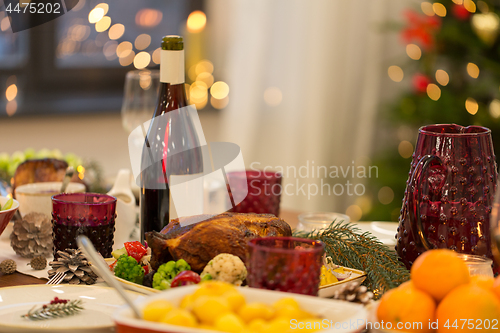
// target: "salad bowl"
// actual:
[[6, 215]]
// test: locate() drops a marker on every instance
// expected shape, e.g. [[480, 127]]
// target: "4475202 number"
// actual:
[[472, 324], [35, 8]]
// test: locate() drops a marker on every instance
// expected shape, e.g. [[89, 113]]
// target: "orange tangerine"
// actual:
[[407, 306], [437, 272], [407, 284], [468, 308]]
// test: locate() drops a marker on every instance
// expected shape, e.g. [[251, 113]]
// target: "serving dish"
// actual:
[[356, 277], [99, 305], [6, 215], [338, 316]]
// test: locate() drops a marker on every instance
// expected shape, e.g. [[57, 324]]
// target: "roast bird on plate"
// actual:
[[201, 242]]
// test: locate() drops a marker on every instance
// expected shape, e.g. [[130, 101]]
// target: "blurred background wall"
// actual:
[[307, 86]]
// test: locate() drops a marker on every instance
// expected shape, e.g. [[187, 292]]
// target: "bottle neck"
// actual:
[[172, 67], [172, 97]]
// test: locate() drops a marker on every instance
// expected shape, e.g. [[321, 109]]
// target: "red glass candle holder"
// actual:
[[285, 263], [264, 191], [89, 214]]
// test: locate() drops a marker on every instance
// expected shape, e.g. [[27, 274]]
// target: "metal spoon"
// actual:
[[67, 177], [103, 270]]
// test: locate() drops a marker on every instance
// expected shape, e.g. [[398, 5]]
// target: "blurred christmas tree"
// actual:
[[454, 66]]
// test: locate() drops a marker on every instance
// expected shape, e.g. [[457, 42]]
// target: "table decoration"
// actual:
[[348, 247], [32, 235], [38, 263], [8, 266], [89, 214], [477, 265], [264, 191], [353, 292], [56, 308], [449, 194], [288, 264], [318, 220], [75, 265]]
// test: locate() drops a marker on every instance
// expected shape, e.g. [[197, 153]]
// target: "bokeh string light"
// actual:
[[202, 88]]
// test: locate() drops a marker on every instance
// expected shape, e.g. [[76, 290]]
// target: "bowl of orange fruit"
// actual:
[[215, 306], [441, 296]]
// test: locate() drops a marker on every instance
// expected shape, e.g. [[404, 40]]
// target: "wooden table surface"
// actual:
[[17, 278]]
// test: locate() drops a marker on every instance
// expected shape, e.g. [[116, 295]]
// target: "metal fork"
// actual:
[[57, 278]]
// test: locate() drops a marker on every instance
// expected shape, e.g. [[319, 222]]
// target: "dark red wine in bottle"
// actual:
[[171, 146]]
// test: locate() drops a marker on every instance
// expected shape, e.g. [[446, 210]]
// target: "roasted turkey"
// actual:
[[200, 242]]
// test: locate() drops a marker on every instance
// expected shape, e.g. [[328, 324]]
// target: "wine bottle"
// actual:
[[171, 145]]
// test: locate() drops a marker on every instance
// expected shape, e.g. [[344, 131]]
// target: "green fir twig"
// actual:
[[348, 247], [54, 310]]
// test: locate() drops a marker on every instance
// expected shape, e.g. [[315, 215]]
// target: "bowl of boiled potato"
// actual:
[[220, 307]]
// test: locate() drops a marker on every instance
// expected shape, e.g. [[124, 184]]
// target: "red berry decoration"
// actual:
[[420, 83], [460, 12]]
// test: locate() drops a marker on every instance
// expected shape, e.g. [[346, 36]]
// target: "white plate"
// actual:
[[384, 231], [341, 315], [324, 291], [99, 305], [356, 277]]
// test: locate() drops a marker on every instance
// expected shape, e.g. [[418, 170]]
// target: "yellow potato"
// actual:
[[235, 299], [208, 308], [230, 323], [187, 302], [286, 301], [212, 288], [280, 325], [180, 317], [291, 312], [255, 310], [257, 325], [155, 310]]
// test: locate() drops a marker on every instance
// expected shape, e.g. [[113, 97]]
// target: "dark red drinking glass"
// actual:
[[89, 214], [449, 194], [285, 263], [264, 191]]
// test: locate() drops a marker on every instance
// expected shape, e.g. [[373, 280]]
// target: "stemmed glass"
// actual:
[[139, 102], [140, 97]]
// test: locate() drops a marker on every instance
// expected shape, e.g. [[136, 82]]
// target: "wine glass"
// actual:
[[139, 102], [140, 97]]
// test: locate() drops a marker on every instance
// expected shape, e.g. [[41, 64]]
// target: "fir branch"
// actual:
[[54, 310], [348, 247]]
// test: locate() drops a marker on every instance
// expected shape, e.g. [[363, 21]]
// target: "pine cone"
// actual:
[[32, 236], [38, 263], [75, 265], [8, 266], [354, 293]]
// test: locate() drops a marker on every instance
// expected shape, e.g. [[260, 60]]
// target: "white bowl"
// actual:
[[36, 197], [341, 316]]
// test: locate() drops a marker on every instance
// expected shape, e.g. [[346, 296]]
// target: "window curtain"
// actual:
[[328, 59]]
